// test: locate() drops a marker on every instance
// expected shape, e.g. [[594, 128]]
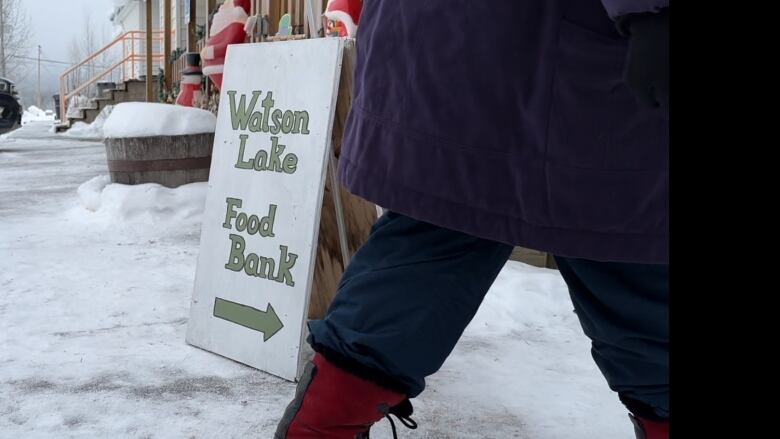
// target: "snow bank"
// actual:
[[35, 114], [140, 119], [89, 192], [94, 130], [149, 203]]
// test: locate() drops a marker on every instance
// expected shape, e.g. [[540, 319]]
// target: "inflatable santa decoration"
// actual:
[[345, 12], [227, 27]]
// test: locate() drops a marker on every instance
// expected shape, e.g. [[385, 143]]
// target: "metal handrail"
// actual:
[[128, 56]]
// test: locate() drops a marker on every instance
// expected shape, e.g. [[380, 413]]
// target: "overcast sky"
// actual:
[[55, 23]]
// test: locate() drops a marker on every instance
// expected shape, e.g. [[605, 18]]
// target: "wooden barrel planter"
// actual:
[[168, 160]]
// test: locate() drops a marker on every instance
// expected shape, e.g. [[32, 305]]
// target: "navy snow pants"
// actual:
[[413, 287]]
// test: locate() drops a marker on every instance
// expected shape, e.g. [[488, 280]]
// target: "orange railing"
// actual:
[[121, 60]]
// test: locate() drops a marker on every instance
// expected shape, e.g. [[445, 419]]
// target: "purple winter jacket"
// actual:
[[509, 120]]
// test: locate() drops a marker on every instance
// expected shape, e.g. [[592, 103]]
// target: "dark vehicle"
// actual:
[[10, 109]]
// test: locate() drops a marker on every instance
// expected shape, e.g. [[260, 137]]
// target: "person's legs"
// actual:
[[405, 300], [624, 310], [402, 304]]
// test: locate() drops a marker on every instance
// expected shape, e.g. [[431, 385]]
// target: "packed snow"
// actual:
[[35, 114], [95, 285], [148, 203], [141, 119]]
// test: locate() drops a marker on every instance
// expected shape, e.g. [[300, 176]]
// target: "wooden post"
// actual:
[[294, 15], [274, 15], [306, 10], [210, 6], [149, 30], [310, 20], [192, 34], [168, 64]]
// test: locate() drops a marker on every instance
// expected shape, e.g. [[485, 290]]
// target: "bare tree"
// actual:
[[14, 37], [89, 44], [81, 48], [75, 56]]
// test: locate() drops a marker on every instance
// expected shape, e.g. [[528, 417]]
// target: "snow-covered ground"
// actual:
[[95, 283]]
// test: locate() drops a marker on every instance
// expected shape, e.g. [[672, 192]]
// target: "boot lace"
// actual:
[[403, 411]]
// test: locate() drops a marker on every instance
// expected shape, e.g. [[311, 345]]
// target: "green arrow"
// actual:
[[266, 322]]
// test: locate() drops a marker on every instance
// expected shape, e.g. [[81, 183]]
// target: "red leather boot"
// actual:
[[331, 403], [650, 429]]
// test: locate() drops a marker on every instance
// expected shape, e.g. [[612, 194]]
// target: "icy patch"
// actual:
[[141, 119]]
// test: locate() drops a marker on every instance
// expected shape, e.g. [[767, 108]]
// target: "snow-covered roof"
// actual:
[[6, 80], [115, 15], [120, 6]]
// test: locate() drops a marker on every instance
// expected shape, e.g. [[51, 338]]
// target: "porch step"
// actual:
[[133, 90]]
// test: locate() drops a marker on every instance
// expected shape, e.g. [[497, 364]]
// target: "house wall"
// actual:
[[133, 18], [179, 21]]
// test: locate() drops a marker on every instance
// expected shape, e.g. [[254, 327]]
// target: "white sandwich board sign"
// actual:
[[259, 234]]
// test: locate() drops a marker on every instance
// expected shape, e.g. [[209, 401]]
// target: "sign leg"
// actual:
[[340, 223]]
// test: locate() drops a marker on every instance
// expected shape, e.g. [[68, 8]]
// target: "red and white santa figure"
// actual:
[[346, 12], [227, 28], [190, 87], [190, 92]]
